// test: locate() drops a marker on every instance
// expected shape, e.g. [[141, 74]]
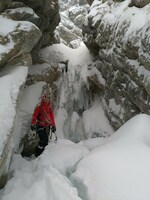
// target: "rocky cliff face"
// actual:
[[25, 27], [119, 36], [72, 14]]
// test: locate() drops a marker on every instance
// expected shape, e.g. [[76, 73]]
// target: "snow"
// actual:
[[67, 154], [120, 168], [95, 121], [7, 26], [93, 142], [114, 166], [117, 168], [9, 89], [77, 57]]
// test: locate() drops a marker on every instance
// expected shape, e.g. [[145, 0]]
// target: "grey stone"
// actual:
[[4, 4], [24, 41], [140, 3], [21, 14], [124, 62]]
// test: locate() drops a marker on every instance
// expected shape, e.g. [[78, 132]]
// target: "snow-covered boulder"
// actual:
[[118, 169], [17, 38], [63, 156], [47, 176], [43, 13]]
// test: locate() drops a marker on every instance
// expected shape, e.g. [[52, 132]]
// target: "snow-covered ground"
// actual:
[[118, 169]]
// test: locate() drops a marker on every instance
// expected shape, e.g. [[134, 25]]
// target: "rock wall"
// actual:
[[25, 27], [119, 37], [48, 12], [72, 17]]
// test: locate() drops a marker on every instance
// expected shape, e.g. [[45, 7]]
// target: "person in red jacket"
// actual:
[[42, 121]]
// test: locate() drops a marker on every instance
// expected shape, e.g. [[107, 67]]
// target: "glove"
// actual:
[[33, 127], [53, 129]]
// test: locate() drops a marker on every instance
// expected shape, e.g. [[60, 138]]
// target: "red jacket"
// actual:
[[43, 115]]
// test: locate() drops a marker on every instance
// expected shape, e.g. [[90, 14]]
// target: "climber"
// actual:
[[42, 122]]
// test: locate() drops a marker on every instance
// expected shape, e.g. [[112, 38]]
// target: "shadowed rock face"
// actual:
[[122, 48], [140, 3], [4, 4], [89, 1]]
